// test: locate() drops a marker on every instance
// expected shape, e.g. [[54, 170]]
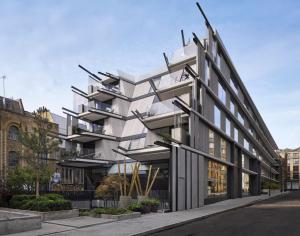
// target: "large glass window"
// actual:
[[233, 86], [217, 117], [296, 161], [231, 106], [236, 135], [246, 144], [223, 150], [243, 161], [13, 133], [217, 179], [207, 73], [13, 159], [221, 93], [228, 127], [211, 142], [241, 119], [245, 183]]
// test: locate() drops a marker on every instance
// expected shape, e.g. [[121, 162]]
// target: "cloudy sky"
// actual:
[[42, 42]]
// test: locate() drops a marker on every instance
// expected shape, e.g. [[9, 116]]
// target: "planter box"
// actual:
[[49, 215], [122, 217], [15, 222]]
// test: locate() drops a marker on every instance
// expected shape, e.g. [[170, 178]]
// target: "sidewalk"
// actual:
[[149, 223]]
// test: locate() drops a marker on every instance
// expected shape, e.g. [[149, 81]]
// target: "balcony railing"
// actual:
[[93, 128], [171, 79], [162, 108], [109, 87], [98, 105]]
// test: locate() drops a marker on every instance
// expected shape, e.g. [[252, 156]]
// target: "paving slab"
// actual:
[[46, 229], [148, 224], [80, 222], [151, 223]]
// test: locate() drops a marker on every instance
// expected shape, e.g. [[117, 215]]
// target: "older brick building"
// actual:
[[13, 117]]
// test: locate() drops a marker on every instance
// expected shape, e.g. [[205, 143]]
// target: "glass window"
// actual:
[[228, 127], [13, 159], [221, 93], [13, 133], [254, 152], [214, 49], [217, 117], [223, 150], [217, 179], [245, 183], [243, 161], [211, 142], [236, 135], [296, 161], [241, 119], [218, 60], [207, 73], [246, 144], [231, 106], [233, 85]]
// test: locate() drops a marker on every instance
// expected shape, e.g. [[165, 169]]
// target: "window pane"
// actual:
[[236, 135], [217, 179], [211, 144], [217, 116], [221, 93], [228, 127], [223, 150]]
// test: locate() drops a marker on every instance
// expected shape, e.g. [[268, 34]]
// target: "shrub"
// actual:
[[267, 185], [110, 211], [53, 196], [137, 207], [110, 187], [18, 200], [154, 202], [48, 202]]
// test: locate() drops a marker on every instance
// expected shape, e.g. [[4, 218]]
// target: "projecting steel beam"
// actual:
[[182, 37], [204, 16], [90, 73]]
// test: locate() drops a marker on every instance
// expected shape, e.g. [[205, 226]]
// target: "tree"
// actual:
[[22, 179], [38, 144]]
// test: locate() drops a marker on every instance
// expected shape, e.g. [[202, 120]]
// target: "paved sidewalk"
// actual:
[[152, 223]]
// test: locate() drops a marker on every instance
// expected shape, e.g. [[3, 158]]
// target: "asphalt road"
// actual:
[[278, 216]]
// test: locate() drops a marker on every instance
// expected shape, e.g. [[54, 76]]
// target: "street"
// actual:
[[277, 216]]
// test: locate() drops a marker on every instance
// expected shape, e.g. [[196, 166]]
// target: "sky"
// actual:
[[42, 42]]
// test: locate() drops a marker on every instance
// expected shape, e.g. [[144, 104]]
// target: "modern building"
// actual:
[[291, 169], [193, 118]]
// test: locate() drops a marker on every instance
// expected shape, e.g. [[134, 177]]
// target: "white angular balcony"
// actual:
[[174, 84], [163, 114], [96, 112]]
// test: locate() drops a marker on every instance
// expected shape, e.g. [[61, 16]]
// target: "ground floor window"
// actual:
[[217, 179], [72, 175], [245, 183]]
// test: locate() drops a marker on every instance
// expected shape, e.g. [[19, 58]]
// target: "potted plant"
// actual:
[[154, 203], [146, 206], [136, 207]]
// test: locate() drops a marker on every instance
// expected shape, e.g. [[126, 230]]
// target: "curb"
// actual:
[[171, 226]]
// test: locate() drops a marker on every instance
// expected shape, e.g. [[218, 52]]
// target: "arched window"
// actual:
[[13, 133], [13, 159]]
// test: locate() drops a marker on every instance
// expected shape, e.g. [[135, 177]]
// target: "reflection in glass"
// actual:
[[217, 179], [245, 183]]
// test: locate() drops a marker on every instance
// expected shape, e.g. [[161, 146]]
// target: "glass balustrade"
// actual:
[[173, 78], [98, 105], [162, 108], [93, 128]]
